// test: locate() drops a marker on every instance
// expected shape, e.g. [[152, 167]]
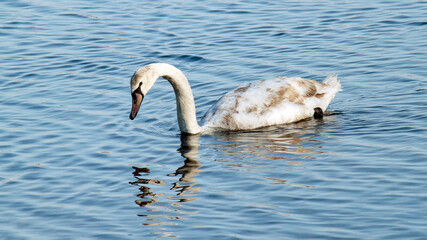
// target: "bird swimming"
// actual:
[[258, 104]]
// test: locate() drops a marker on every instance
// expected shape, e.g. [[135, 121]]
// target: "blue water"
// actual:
[[73, 166]]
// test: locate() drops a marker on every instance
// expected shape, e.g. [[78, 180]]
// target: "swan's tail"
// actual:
[[333, 82]]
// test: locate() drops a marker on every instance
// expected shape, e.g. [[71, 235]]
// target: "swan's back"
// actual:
[[269, 102]]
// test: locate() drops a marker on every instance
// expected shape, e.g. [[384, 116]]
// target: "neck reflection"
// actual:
[[185, 188]]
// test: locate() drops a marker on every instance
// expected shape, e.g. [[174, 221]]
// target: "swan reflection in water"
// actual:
[[184, 188], [245, 151]]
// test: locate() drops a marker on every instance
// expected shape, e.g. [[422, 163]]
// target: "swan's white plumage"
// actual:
[[270, 102], [263, 103]]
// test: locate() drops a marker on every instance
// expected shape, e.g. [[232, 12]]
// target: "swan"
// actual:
[[258, 104]]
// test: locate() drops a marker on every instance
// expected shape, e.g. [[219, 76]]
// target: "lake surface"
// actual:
[[73, 166]]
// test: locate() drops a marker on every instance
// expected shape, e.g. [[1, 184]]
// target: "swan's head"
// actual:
[[140, 83]]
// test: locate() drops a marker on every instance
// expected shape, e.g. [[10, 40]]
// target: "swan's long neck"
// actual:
[[186, 109]]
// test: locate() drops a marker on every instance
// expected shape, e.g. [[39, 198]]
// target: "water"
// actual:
[[73, 166]]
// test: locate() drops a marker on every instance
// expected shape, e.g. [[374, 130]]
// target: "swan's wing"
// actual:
[[304, 89]]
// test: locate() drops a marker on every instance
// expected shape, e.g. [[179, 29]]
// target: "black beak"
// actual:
[[137, 98]]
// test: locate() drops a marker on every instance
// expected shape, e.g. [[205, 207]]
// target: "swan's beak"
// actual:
[[137, 97]]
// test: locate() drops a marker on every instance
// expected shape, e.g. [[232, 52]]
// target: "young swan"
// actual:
[[263, 103]]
